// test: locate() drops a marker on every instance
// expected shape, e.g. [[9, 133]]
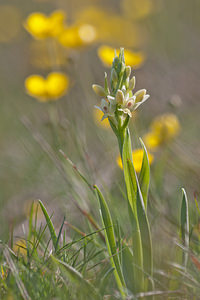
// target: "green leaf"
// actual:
[[49, 224], [131, 185], [185, 226], [110, 241], [146, 240], [144, 228], [59, 234], [127, 264], [144, 177], [142, 244], [30, 223]]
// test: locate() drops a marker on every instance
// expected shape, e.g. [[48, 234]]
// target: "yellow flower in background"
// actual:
[[133, 59], [98, 115], [151, 140], [49, 89], [167, 124], [19, 247], [163, 129], [87, 33], [41, 26], [111, 27], [56, 22], [77, 36], [137, 156]]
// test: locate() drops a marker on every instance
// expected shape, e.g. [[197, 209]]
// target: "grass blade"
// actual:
[[185, 226], [131, 187], [59, 234], [87, 290], [110, 241], [142, 244], [144, 228], [50, 225], [144, 177]]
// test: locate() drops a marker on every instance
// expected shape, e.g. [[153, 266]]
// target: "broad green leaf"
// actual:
[[128, 268], [131, 187], [142, 244], [144, 227], [144, 177], [50, 225], [185, 226], [86, 288], [110, 241]]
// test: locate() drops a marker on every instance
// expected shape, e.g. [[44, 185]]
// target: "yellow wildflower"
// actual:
[[137, 156], [133, 59], [20, 247], [56, 22], [87, 33], [3, 274], [49, 89], [41, 26], [163, 129], [151, 140], [77, 36], [98, 115]]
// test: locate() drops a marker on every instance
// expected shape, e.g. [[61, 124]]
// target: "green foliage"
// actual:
[[111, 243], [50, 226], [184, 227]]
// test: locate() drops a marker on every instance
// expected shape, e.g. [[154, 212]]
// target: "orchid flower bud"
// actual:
[[99, 90]]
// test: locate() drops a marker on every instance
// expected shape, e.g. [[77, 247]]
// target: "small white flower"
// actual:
[[128, 105], [132, 103], [108, 107]]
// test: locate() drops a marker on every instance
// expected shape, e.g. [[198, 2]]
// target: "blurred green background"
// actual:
[[31, 166]]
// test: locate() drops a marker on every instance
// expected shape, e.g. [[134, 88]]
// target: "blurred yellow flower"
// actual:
[[41, 26], [163, 129], [133, 59], [98, 114], [77, 36], [137, 156], [151, 140], [111, 27], [10, 23], [19, 247], [87, 33], [49, 89]]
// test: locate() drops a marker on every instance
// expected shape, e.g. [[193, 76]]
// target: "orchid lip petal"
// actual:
[[125, 111]]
